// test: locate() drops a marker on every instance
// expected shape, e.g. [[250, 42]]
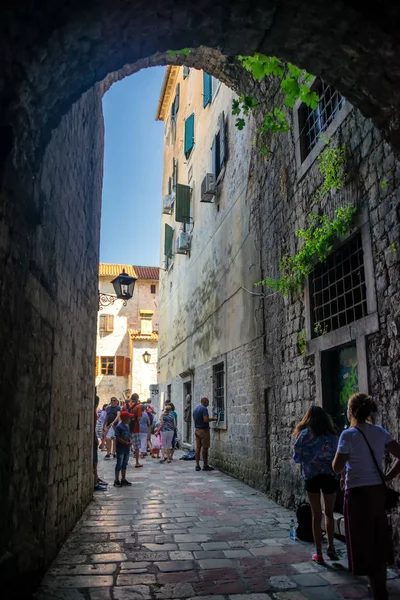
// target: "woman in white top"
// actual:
[[368, 540]]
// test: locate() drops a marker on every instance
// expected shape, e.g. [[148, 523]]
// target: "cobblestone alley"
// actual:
[[177, 533]]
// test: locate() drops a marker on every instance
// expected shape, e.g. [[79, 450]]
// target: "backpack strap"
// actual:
[[373, 456]]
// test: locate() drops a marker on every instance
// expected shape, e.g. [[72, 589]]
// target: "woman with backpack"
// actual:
[[314, 449], [360, 454]]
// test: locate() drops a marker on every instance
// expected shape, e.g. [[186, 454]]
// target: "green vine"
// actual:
[[302, 342], [318, 241], [319, 330], [294, 84], [332, 165], [183, 51]]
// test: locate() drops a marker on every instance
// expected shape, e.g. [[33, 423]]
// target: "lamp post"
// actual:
[[123, 286], [146, 357]]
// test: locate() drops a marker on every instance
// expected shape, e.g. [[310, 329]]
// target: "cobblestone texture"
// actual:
[[273, 568]]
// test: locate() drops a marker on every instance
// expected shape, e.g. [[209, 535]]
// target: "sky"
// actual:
[[133, 157]]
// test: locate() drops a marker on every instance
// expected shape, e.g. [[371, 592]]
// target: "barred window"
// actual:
[[107, 365], [219, 390], [313, 122], [337, 289]]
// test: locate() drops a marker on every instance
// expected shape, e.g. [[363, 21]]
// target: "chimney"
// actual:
[[146, 322]]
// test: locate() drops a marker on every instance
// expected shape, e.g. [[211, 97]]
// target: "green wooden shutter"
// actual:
[[168, 237], [189, 135], [182, 203], [207, 89]]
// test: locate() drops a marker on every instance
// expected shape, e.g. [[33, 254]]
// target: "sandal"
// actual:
[[332, 554], [138, 466], [318, 559]]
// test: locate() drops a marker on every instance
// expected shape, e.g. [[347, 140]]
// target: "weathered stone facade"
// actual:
[[49, 260]]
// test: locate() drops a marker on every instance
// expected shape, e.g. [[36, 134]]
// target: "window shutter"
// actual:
[[170, 186], [176, 101], [186, 71], [174, 174], [182, 203], [110, 323], [168, 237], [97, 366], [214, 156], [189, 135], [222, 139], [127, 369], [103, 323], [207, 89], [120, 366]]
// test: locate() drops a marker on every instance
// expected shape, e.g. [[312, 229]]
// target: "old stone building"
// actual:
[[208, 252], [126, 351], [263, 358], [57, 59]]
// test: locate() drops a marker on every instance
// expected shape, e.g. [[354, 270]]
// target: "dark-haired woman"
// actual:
[[367, 534], [314, 449]]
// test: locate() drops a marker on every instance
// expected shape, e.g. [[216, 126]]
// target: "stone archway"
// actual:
[[58, 59]]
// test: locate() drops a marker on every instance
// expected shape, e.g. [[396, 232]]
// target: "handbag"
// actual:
[[110, 433], [392, 497]]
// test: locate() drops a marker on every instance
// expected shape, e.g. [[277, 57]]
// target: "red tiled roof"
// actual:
[[147, 273]]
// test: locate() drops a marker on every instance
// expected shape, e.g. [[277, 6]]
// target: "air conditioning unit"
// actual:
[[208, 188], [168, 203], [183, 243]]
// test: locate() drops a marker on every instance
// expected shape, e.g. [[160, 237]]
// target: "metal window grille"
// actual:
[[313, 122], [107, 365], [219, 390], [337, 286]]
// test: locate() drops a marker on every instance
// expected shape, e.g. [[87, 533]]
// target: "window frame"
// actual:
[[110, 361], [153, 288], [303, 166], [214, 365]]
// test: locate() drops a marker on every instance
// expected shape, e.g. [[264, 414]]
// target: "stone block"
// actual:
[[135, 579], [175, 565], [105, 558], [139, 592]]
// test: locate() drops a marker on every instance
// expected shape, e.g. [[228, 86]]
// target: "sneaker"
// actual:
[[318, 559], [101, 482], [107, 456], [331, 552], [198, 468], [117, 483], [208, 468], [125, 482], [163, 460], [114, 456], [100, 488]]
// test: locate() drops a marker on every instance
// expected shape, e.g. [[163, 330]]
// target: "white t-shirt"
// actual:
[[360, 468]]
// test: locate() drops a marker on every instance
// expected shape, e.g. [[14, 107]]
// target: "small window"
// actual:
[[169, 393], [106, 325], [107, 365], [219, 390], [153, 288], [337, 289], [313, 122], [168, 244], [218, 148], [207, 89]]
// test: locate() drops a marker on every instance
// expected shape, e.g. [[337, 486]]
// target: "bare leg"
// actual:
[[329, 503], [378, 584], [315, 502], [108, 445]]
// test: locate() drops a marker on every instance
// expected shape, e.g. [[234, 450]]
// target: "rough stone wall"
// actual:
[[50, 223]]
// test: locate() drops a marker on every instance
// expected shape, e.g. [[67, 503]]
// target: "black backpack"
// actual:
[[304, 521]]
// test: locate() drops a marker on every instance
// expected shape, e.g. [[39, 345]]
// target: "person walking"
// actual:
[[144, 430], [99, 484], [175, 437], [360, 454], [134, 408], [314, 449], [123, 444], [150, 414], [111, 417], [202, 422], [166, 427]]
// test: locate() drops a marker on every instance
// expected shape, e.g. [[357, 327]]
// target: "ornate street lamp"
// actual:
[[123, 286], [146, 357]]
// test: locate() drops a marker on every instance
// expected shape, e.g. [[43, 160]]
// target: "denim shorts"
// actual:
[[122, 459]]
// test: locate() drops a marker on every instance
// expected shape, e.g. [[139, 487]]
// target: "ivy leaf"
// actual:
[[184, 51], [235, 107], [240, 123], [295, 71]]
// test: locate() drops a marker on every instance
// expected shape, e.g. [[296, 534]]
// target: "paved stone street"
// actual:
[[177, 533]]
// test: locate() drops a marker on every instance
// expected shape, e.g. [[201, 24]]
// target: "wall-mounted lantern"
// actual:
[[123, 285], [146, 357]]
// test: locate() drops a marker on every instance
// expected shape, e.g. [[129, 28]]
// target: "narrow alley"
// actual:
[[180, 534]]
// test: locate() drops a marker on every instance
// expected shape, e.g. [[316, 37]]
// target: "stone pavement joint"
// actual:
[[177, 534]]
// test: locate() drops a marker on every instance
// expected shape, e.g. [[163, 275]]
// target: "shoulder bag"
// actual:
[[392, 497]]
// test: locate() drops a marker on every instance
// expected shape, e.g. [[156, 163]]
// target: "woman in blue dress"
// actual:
[[314, 449]]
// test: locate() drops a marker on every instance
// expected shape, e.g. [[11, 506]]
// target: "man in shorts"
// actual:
[[202, 422], [134, 407]]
